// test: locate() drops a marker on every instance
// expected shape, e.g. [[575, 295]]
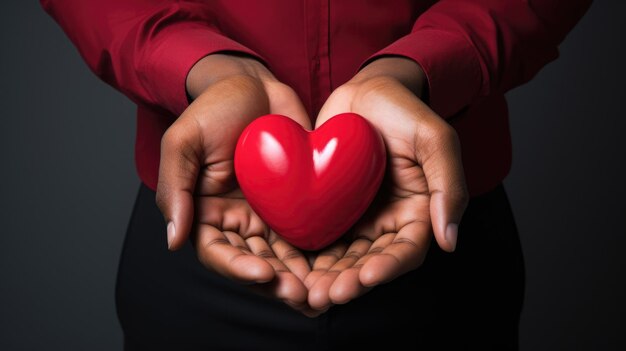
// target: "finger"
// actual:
[[237, 241], [230, 214], [355, 251], [210, 210], [318, 297], [319, 294], [178, 171], [330, 255], [439, 154], [405, 253], [376, 248], [347, 283], [380, 244], [324, 260], [290, 256], [286, 286], [347, 286], [436, 149], [217, 253], [236, 217]]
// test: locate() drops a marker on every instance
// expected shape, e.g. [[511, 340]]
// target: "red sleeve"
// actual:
[[470, 49], [144, 48]]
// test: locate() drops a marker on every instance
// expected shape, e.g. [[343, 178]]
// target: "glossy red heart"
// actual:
[[310, 187]]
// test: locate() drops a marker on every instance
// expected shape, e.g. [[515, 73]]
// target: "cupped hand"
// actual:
[[232, 240], [424, 190], [197, 190]]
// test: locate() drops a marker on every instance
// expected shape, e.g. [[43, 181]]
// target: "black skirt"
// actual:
[[470, 299]]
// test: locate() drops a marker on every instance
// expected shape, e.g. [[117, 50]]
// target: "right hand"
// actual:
[[197, 190], [423, 193]]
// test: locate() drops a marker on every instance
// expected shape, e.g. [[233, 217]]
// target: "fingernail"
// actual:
[[171, 234], [452, 231]]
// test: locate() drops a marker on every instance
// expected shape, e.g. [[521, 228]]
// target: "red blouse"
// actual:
[[471, 51]]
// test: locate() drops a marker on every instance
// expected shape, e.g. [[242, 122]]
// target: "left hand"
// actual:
[[424, 191], [197, 190], [226, 228]]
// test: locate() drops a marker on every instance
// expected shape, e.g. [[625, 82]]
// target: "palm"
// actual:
[[391, 239], [197, 180], [393, 236], [231, 239]]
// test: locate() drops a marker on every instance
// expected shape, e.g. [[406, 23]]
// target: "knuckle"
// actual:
[[215, 218], [406, 241], [265, 254], [358, 265], [435, 138], [206, 251], [173, 137], [291, 254], [376, 250], [448, 134], [440, 134], [243, 248], [352, 255], [180, 144], [333, 255], [256, 227], [211, 244]]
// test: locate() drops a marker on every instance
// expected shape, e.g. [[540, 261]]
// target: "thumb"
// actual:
[[178, 171], [439, 153]]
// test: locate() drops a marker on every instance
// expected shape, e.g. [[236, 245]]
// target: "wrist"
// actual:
[[398, 68], [215, 67]]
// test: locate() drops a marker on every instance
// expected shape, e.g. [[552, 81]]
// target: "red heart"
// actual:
[[310, 187]]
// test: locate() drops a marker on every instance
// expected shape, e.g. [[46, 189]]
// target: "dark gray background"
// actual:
[[68, 183]]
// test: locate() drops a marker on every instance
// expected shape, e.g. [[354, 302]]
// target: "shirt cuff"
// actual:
[[450, 63], [174, 51]]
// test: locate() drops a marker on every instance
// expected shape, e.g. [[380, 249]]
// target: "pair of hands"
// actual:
[[423, 192]]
